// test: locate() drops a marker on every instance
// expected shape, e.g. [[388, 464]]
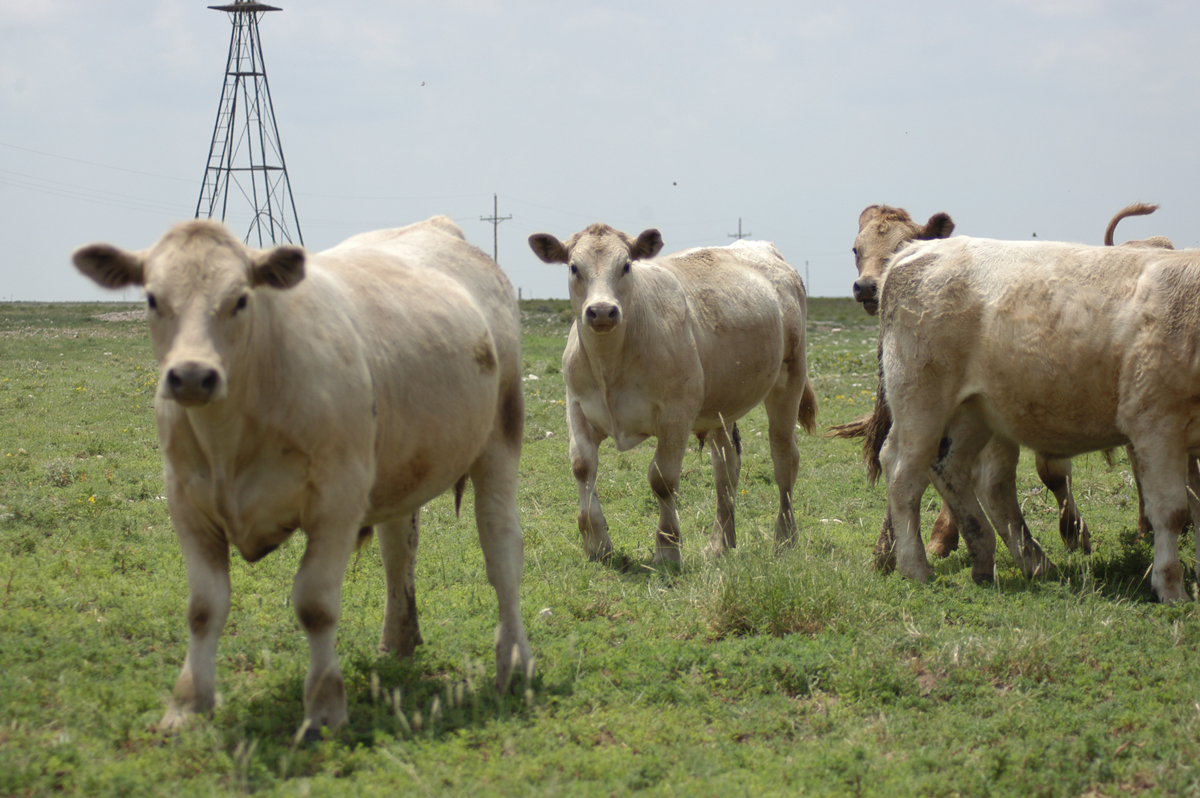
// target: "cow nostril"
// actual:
[[590, 313], [173, 379], [612, 314], [209, 384]]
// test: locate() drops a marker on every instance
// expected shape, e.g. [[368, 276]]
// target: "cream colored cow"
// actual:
[[332, 393], [1063, 348], [675, 346], [882, 232]]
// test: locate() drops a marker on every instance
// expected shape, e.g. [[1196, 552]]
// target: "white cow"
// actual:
[[1063, 348], [331, 392], [674, 346]]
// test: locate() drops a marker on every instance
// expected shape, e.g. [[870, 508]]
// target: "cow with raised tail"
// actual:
[[329, 392], [677, 346]]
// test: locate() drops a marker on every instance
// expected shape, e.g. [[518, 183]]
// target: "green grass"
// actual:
[[756, 674]]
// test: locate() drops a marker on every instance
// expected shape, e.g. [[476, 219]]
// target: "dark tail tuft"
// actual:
[[808, 408]]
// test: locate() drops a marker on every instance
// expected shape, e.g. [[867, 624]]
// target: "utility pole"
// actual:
[[495, 219], [739, 234]]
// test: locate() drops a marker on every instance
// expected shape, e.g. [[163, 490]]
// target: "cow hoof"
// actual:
[[940, 548], [884, 561], [983, 578]]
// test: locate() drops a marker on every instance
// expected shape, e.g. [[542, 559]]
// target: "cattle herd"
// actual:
[[338, 392]]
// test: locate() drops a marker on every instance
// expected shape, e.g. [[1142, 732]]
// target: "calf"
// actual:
[[674, 346]]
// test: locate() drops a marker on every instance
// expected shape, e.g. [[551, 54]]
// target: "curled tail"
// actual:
[[1136, 209], [808, 408]]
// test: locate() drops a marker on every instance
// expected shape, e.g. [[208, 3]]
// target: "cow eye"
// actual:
[[151, 302], [241, 303], [855, 251], [626, 269], [574, 270]]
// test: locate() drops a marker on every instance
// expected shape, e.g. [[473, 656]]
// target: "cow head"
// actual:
[[600, 259], [200, 286], [882, 231]]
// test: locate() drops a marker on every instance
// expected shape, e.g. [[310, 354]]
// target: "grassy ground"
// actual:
[[757, 674]]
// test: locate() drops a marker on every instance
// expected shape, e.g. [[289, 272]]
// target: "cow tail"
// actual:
[[459, 487], [853, 429], [808, 408], [878, 425]]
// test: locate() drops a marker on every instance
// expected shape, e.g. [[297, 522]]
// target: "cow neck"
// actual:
[[605, 353]]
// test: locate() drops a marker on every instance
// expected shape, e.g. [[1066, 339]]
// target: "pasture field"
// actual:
[[798, 673]]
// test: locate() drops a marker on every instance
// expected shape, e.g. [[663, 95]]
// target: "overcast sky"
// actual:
[[1015, 117]]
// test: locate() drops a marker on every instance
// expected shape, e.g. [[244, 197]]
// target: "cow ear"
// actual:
[[281, 267], [548, 248], [649, 243], [109, 266], [940, 225]]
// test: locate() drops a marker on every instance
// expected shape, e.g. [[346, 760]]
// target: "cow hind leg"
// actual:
[[1055, 474], [1165, 489], [960, 446], [783, 406], [398, 545], [726, 453], [997, 485], [907, 473], [494, 477], [585, 462]]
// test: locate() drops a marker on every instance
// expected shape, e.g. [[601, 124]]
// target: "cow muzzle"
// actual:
[[866, 291], [602, 317], [192, 384]]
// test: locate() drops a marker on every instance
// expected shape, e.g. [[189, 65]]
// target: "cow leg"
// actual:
[[997, 486], [727, 463], [944, 537], [585, 461], [494, 477], [317, 598], [664, 482], [906, 469], [398, 544], [207, 562], [1055, 474], [1164, 487], [783, 406], [953, 475]]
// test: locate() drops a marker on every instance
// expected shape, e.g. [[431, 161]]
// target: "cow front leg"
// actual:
[[398, 545], [663, 475], [726, 451], [207, 562], [317, 598], [494, 477], [585, 462], [1055, 474]]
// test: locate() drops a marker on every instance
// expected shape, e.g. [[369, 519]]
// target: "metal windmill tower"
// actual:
[[246, 157]]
